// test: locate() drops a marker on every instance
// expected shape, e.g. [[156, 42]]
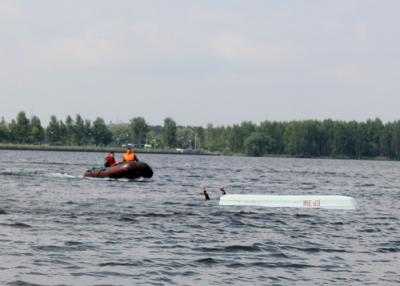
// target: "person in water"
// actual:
[[222, 191], [129, 155], [206, 196], [109, 160]]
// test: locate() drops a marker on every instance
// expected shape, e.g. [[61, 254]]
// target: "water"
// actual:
[[57, 228]]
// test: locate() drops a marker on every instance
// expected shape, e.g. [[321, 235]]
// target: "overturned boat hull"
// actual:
[[128, 170], [282, 201]]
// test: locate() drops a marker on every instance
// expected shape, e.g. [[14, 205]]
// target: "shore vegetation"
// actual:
[[307, 138]]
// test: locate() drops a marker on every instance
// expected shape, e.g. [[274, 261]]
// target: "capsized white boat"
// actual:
[[276, 201]]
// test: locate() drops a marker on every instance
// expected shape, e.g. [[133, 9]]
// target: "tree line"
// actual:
[[78, 131], [306, 138]]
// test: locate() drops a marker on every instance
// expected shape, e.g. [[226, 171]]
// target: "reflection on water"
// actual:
[[58, 228]]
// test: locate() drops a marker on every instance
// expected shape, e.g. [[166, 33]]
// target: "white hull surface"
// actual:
[[308, 201]]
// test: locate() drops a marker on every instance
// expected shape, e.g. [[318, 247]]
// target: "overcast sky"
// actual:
[[215, 61]]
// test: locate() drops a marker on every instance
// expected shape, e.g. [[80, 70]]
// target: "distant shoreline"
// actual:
[[94, 149]]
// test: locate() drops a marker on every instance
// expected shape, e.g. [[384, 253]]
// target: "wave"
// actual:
[[390, 247], [127, 264], [37, 173], [231, 248], [271, 265], [156, 215], [207, 261], [44, 163], [68, 246], [388, 250], [128, 219], [62, 175], [298, 215], [366, 185], [143, 180], [22, 283], [17, 225], [211, 261], [140, 180], [316, 249], [369, 230], [20, 173]]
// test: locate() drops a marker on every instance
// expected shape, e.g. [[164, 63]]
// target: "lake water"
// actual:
[[57, 228]]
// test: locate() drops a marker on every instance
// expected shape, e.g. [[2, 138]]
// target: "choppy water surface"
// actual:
[[57, 228]]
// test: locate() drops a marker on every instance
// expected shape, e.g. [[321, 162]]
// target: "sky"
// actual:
[[200, 62]]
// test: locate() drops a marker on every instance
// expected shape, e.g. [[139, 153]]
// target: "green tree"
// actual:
[[294, 137], [22, 129], [138, 130], [4, 132], [53, 132], [121, 133], [327, 129], [258, 144], [12, 127], [303, 138], [63, 138], [37, 131], [237, 134], [101, 134], [387, 139], [395, 140], [344, 143], [87, 137], [69, 135], [169, 133], [154, 139], [78, 131], [199, 137], [372, 136], [274, 130], [185, 137], [217, 139]]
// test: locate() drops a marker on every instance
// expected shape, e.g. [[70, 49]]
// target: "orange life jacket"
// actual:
[[129, 156]]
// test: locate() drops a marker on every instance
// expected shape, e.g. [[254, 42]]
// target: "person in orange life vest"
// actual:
[[109, 160], [129, 155]]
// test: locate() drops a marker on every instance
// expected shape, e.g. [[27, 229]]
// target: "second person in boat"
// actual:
[[109, 161]]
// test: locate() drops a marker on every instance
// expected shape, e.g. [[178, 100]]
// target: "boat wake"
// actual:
[[21, 173], [62, 175], [139, 180], [37, 173]]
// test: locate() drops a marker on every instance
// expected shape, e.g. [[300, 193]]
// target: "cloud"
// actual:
[[9, 10], [274, 56], [247, 51], [82, 52]]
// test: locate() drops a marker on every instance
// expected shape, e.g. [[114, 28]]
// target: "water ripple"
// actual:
[[59, 228]]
